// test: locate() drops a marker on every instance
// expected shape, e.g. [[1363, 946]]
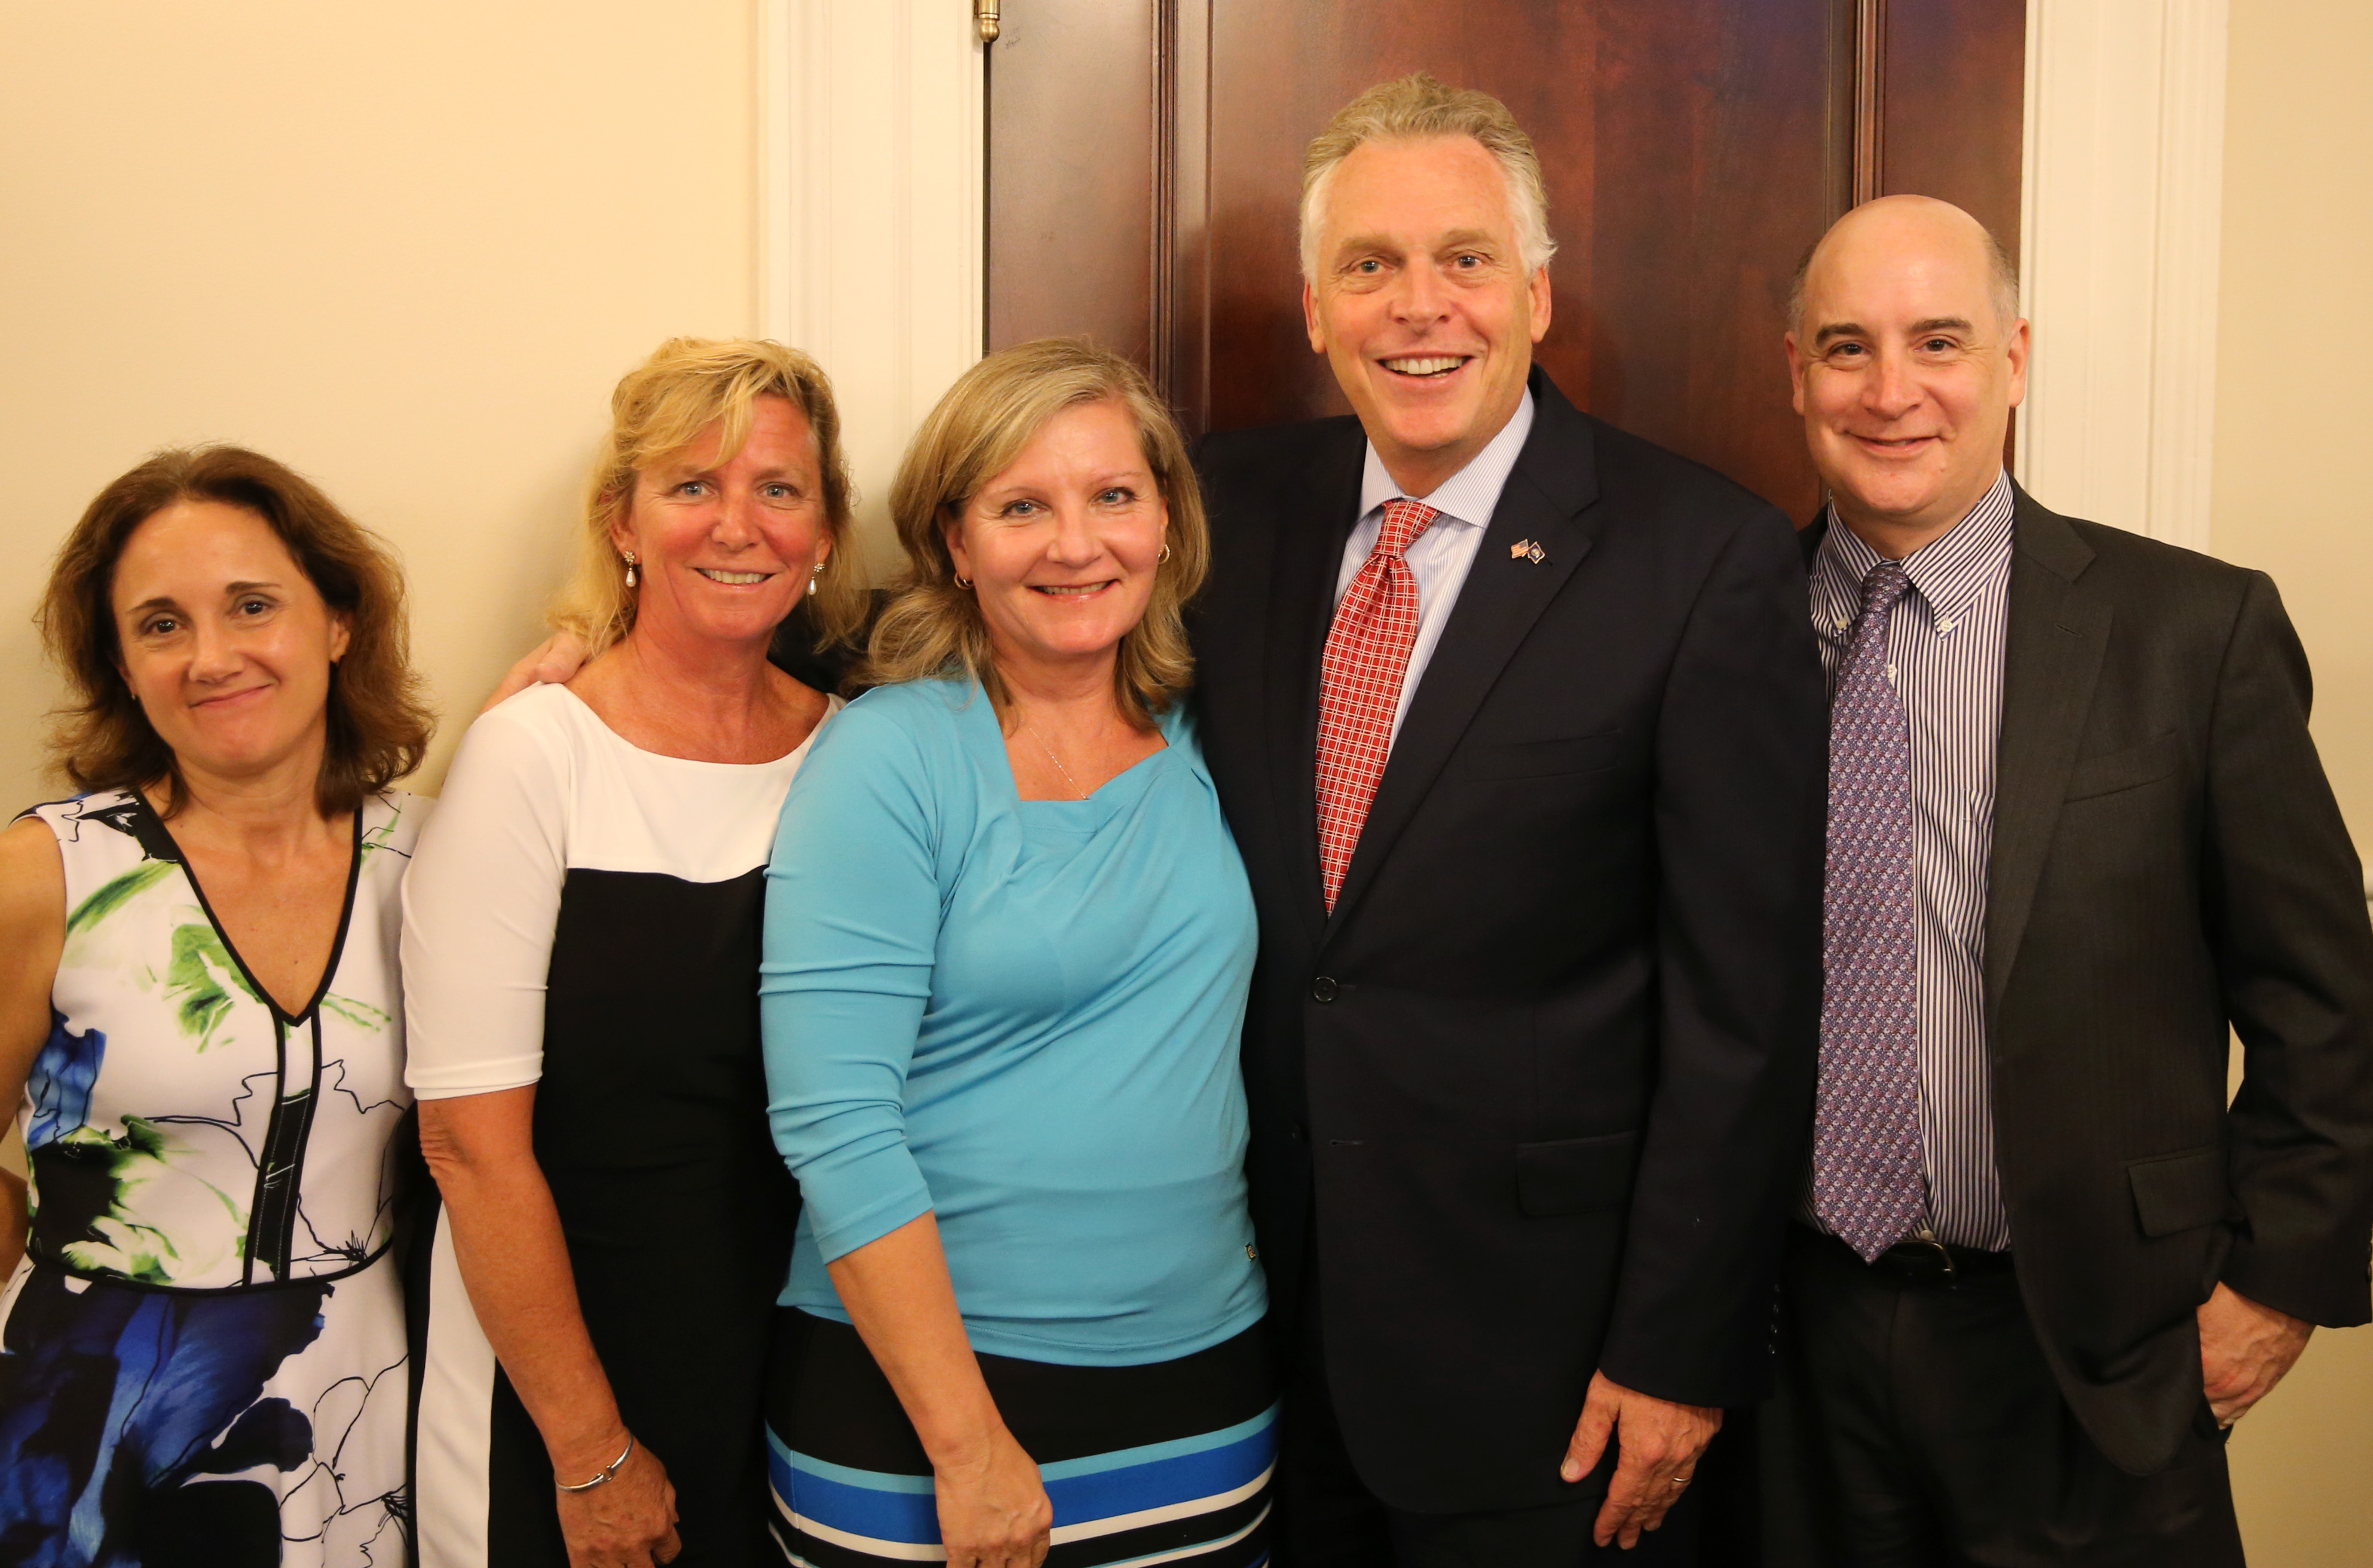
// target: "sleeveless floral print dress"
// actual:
[[202, 1356]]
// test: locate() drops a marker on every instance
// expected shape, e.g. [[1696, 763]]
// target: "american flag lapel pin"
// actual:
[[1528, 550]]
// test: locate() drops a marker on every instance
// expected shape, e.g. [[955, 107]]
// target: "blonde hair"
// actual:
[[662, 406], [1412, 109], [933, 630]]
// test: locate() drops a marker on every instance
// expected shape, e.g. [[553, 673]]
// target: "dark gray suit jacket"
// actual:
[[2168, 861]]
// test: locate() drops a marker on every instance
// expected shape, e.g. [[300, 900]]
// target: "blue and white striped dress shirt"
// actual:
[[1945, 644]]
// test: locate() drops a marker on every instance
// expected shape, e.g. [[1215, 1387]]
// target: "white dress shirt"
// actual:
[[1440, 555]]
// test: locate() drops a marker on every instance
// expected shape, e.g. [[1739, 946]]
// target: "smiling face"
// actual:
[[1422, 303], [1061, 547], [727, 545], [224, 640], [1905, 369]]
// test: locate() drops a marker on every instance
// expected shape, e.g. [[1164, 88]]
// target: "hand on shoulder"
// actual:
[[553, 661]]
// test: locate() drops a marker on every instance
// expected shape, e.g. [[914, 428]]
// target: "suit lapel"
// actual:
[[2054, 636], [1312, 526], [1553, 482]]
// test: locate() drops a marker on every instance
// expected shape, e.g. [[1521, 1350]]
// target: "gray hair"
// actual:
[[1418, 107]]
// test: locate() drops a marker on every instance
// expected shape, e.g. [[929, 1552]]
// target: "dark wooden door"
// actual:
[[1145, 166]]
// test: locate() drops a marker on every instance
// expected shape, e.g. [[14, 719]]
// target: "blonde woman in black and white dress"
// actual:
[[581, 951]]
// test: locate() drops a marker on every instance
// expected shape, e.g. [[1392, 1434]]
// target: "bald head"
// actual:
[[1894, 228], [1907, 354]]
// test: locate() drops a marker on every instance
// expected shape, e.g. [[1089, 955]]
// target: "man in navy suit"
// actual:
[[1520, 726]]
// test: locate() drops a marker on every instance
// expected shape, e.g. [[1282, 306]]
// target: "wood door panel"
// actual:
[[1712, 179], [1694, 150], [1955, 107], [1072, 221]]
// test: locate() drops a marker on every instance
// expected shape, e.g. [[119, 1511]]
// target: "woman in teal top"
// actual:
[[1008, 943], [1027, 1012]]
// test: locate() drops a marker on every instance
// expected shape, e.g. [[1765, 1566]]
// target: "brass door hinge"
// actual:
[[984, 12]]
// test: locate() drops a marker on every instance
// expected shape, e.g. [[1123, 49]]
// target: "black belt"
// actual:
[[1923, 1262]]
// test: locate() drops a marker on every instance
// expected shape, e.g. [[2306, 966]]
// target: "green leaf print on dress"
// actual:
[[361, 1014], [117, 893], [383, 835], [87, 1215], [207, 1388], [204, 1001]]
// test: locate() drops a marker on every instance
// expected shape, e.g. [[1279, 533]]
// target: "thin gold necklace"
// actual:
[[1076, 791]]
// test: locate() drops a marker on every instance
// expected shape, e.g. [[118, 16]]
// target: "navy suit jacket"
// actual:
[[1532, 1101]]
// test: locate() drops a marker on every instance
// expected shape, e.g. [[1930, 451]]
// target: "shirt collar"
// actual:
[[1469, 496], [1948, 572]]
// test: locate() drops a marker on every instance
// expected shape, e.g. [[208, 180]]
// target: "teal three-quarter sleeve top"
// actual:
[[1023, 1015]]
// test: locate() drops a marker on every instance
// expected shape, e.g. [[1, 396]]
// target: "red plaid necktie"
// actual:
[[1360, 686]]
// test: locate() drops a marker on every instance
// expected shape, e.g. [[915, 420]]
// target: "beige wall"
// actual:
[[405, 249], [2291, 498]]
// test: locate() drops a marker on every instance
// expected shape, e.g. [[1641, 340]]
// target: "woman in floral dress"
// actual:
[[202, 1346]]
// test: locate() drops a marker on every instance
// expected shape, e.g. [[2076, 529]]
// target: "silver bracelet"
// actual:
[[608, 1471]]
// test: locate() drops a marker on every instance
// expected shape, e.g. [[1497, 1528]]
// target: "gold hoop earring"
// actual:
[[633, 561], [963, 582], [1163, 556]]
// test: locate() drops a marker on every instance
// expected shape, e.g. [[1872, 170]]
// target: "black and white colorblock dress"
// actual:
[[585, 918]]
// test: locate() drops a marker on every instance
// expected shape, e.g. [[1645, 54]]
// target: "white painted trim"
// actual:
[[872, 212], [2121, 236]]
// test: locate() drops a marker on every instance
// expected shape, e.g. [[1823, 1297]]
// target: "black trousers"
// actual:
[[1917, 1425], [1327, 1518]]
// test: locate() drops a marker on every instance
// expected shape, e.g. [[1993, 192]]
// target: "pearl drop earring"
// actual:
[[633, 560]]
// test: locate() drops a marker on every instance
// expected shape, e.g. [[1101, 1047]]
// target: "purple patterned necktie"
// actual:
[[1867, 1167]]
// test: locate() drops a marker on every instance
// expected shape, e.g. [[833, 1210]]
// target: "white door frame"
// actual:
[[872, 213], [2122, 227]]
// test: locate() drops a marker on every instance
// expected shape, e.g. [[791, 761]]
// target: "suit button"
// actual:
[[1324, 989], [1301, 1133]]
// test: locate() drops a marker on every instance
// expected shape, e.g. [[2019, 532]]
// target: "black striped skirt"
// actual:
[[1168, 1463]]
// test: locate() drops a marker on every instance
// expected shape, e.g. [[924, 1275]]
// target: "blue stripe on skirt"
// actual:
[[1220, 1476], [1165, 1463]]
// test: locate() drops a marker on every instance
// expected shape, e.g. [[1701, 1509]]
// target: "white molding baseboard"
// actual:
[[2122, 234], [872, 212]]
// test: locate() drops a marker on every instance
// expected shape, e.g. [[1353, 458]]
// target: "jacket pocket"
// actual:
[[2180, 1192], [1540, 759], [1577, 1176], [2130, 768]]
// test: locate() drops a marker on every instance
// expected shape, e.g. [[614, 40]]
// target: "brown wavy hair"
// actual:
[[379, 725], [932, 626]]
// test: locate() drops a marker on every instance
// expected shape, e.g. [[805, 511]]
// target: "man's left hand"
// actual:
[[553, 661], [2245, 1348], [1657, 1446]]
